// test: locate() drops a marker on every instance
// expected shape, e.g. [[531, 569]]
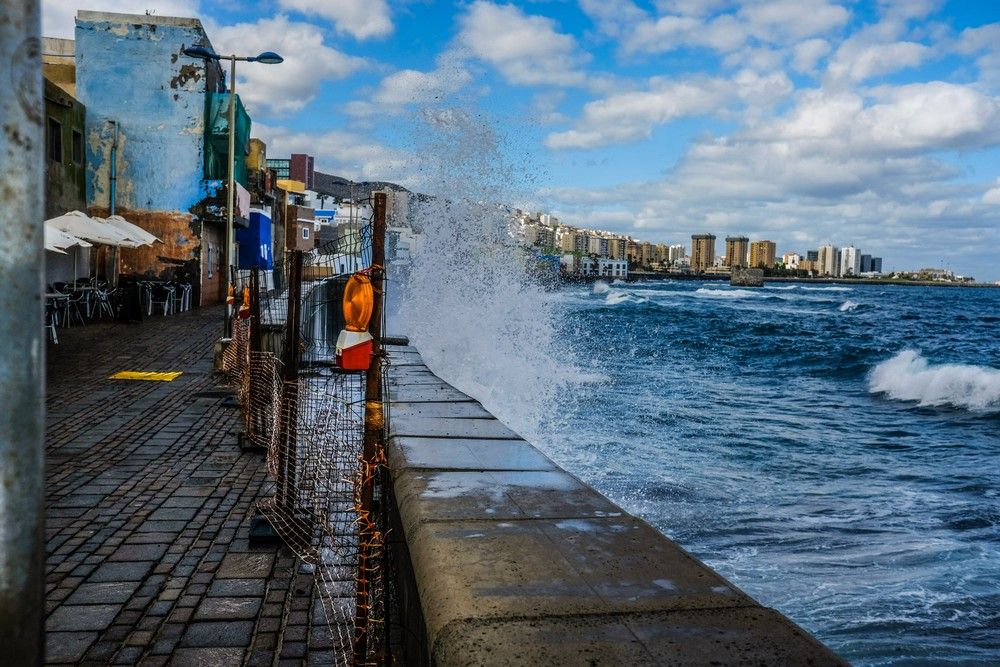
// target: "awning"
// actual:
[[57, 240], [90, 229], [133, 230]]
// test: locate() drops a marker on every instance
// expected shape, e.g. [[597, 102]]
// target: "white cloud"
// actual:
[[806, 54], [294, 83], [410, 86], [982, 38], [630, 116], [362, 19], [859, 62], [992, 196], [526, 50], [778, 21], [58, 15]]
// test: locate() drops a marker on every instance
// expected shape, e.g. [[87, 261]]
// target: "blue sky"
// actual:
[[871, 123]]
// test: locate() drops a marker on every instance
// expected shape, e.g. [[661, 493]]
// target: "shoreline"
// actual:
[[643, 275]]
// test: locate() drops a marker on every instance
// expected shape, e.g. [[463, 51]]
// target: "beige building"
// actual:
[[762, 254], [737, 248], [702, 251]]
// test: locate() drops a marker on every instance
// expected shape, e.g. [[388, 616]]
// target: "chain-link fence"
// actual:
[[322, 427]]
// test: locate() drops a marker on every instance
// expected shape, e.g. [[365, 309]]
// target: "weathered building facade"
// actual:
[[65, 163], [152, 141]]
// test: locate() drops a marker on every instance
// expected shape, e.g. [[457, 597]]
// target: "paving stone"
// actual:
[[238, 588], [139, 552], [207, 657], [246, 565], [111, 592], [117, 572], [62, 647], [218, 634], [76, 618], [220, 609]]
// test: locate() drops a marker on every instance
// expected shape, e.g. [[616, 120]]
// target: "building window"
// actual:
[[77, 147], [305, 233], [209, 262], [54, 140]]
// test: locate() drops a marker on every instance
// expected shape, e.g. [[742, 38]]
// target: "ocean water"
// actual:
[[832, 450]]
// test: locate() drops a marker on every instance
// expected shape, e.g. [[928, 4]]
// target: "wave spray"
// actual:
[[469, 305]]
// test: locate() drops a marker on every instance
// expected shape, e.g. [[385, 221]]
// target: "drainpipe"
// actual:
[[22, 355], [113, 196]]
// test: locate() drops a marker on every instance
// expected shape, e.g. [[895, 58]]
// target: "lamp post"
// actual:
[[268, 58]]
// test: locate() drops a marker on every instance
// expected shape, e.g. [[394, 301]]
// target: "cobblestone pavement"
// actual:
[[148, 501]]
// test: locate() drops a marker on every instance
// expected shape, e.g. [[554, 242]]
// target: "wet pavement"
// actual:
[[148, 504]]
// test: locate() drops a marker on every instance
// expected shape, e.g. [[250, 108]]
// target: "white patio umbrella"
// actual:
[[94, 230], [57, 240], [134, 231]]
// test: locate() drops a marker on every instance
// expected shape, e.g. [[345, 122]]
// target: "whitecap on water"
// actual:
[[832, 288], [909, 377], [601, 287], [848, 306], [724, 293]]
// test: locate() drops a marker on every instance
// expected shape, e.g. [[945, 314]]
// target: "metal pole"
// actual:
[[22, 355], [287, 438], [227, 326], [373, 434]]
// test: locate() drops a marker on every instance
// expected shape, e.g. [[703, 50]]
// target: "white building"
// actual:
[[850, 261], [791, 260], [612, 268], [675, 253]]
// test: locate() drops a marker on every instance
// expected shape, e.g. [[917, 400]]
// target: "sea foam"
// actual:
[[848, 306], [909, 377], [724, 293], [601, 287]]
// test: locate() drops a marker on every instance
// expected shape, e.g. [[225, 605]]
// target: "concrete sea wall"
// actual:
[[501, 557]]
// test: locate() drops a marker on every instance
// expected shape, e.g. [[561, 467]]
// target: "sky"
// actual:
[[869, 123]]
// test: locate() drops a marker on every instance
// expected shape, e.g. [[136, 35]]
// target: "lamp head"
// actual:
[[268, 58], [200, 52]]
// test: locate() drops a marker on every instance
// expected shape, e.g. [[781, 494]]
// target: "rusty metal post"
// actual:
[[22, 355], [373, 433], [287, 456]]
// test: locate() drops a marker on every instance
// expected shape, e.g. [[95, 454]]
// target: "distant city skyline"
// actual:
[[875, 122]]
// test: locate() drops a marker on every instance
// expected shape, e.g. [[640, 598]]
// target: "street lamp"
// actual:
[[268, 58]]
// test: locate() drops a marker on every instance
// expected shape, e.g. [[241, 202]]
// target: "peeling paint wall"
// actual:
[[130, 70]]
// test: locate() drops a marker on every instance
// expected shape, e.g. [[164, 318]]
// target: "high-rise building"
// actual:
[[762, 254], [877, 264], [676, 253], [812, 255], [850, 261], [826, 258], [736, 251], [866, 263], [702, 251], [646, 253], [791, 260]]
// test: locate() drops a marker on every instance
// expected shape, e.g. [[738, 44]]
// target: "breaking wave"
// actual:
[[601, 287], [710, 293], [909, 377], [849, 306]]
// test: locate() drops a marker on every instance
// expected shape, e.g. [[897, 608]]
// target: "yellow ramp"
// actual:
[[146, 375]]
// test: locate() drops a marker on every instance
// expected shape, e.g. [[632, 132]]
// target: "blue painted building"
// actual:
[[254, 241], [152, 138]]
